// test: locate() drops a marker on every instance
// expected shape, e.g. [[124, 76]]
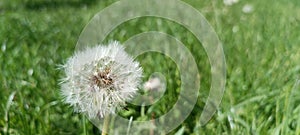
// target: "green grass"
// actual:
[[262, 94]]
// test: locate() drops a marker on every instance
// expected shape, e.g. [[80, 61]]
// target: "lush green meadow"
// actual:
[[261, 46]]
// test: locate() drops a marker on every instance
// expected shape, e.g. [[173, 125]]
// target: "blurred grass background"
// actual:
[[262, 49]]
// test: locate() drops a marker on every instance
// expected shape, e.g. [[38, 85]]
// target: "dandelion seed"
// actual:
[[30, 72], [235, 29], [153, 84], [3, 47], [100, 79], [247, 8], [230, 2]]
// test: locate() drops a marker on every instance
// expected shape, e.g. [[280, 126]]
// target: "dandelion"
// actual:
[[3, 47], [153, 84], [247, 8], [100, 79], [235, 29], [230, 2]]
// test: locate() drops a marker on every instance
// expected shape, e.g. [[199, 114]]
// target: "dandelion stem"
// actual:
[[152, 118], [84, 125], [105, 125]]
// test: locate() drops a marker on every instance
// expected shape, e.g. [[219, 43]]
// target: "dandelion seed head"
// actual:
[[230, 2], [247, 8], [100, 79], [235, 29], [153, 84]]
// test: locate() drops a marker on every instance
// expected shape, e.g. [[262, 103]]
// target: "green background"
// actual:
[[262, 50]]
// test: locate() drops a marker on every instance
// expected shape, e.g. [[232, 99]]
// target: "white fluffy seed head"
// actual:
[[100, 79]]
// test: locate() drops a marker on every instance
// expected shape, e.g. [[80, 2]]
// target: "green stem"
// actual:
[[105, 125], [84, 125]]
